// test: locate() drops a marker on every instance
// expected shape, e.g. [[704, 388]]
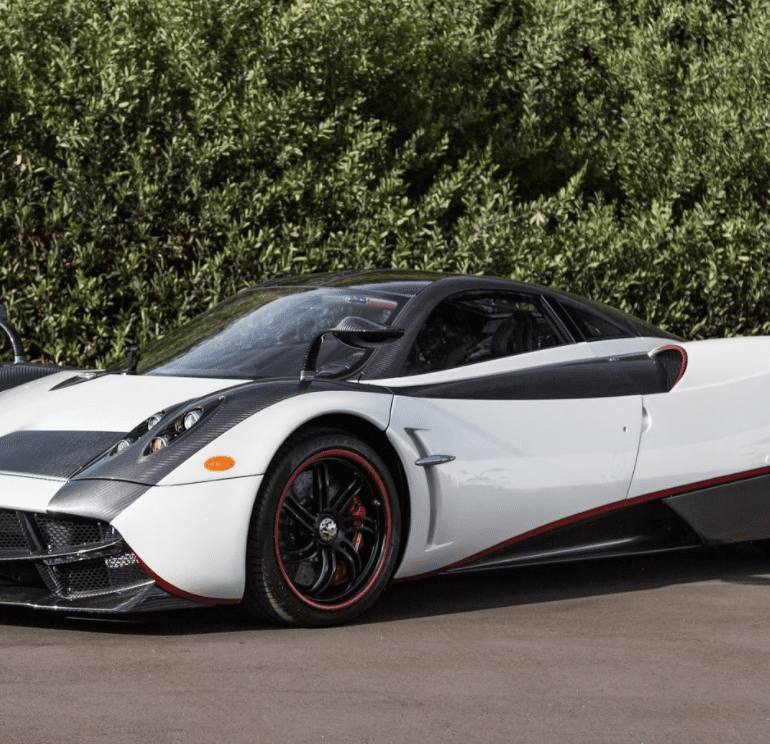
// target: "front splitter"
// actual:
[[146, 597]]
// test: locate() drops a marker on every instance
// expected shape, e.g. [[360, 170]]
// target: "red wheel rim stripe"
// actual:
[[366, 465]]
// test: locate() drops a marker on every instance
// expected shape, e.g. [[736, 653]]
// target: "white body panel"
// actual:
[[9, 398], [194, 536], [519, 465], [27, 493], [253, 442], [109, 403], [618, 347], [715, 422], [723, 360]]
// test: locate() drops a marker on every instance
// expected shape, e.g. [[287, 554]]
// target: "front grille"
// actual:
[[95, 576], [59, 534], [75, 557], [53, 533], [12, 539]]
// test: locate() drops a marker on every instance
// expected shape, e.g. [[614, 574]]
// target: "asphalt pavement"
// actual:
[[657, 649]]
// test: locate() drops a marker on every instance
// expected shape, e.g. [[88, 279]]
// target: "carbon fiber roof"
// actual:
[[400, 281]]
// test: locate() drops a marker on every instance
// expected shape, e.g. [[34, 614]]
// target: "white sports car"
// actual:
[[308, 440]]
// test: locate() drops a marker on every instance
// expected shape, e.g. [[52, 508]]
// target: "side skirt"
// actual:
[[728, 512], [648, 527]]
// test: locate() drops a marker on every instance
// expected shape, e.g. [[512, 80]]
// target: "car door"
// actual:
[[526, 428]]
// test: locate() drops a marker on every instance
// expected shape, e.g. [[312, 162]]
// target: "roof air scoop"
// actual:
[[673, 361], [360, 333]]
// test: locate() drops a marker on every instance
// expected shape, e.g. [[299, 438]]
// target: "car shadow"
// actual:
[[453, 593]]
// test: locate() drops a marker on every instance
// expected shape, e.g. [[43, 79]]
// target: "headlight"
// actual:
[[159, 443], [168, 433], [121, 445], [181, 424], [154, 420], [137, 433], [188, 420]]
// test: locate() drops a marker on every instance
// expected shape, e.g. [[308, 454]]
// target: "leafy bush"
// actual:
[[156, 157]]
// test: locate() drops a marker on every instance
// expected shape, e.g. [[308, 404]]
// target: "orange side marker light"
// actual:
[[219, 463]]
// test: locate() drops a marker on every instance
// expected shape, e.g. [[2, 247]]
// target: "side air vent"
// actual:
[[673, 362]]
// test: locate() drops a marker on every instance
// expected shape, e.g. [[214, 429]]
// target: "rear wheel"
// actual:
[[325, 531]]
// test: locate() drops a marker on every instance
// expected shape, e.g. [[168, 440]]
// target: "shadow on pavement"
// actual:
[[538, 584], [450, 594]]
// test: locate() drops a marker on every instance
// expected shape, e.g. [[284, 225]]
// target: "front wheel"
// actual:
[[325, 531]]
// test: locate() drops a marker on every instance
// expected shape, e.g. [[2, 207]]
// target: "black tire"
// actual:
[[325, 532], [764, 547]]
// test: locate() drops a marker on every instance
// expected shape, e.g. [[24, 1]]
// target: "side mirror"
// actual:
[[353, 331], [12, 333], [364, 334]]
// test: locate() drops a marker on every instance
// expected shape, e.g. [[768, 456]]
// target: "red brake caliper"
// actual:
[[357, 509]]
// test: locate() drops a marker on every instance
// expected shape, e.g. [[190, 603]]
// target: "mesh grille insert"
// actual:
[[97, 575], [78, 557], [71, 533], [12, 538]]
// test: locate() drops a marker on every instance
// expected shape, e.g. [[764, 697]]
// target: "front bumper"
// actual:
[[73, 563]]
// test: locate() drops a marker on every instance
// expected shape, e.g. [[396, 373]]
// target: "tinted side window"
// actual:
[[594, 326], [476, 327]]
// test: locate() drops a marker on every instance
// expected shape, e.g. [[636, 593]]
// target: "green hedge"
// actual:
[[156, 157]]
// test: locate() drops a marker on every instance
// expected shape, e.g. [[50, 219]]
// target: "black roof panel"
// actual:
[[399, 281]]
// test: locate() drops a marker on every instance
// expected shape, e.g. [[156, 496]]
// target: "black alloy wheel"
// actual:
[[325, 531]]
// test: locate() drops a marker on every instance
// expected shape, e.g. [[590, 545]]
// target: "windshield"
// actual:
[[265, 333]]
